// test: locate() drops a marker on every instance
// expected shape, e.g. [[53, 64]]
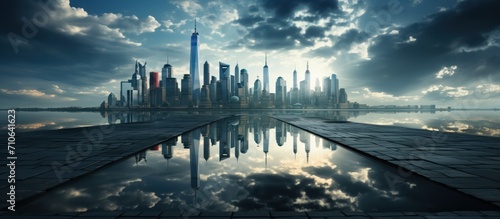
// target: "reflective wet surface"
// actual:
[[249, 163], [475, 122]]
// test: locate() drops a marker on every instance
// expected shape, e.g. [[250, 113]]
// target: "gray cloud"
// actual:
[[274, 29], [463, 36]]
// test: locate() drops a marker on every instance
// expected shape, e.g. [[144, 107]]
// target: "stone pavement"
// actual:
[[468, 163], [48, 158], [260, 215]]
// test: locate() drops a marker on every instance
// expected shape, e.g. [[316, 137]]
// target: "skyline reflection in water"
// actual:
[[251, 163], [475, 122]]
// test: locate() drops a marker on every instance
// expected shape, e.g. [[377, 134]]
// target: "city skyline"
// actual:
[[387, 52]]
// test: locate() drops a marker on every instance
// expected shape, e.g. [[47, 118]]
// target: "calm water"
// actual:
[[251, 163], [471, 122]]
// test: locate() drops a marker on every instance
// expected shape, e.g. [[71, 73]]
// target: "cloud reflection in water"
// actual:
[[221, 168]]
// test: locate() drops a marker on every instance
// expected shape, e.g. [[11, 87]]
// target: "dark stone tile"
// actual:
[[171, 214], [287, 214], [150, 214], [492, 195], [325, 213], [467, 183], [251, 214]]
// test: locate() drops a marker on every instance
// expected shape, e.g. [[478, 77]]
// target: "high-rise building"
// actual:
[[186, 91], [155, 92], [112, 100], [335, 89], [154, 80], [244, 81], [166, 72], [206, 73], [213, 90], [280, 93], [193, 67], [294, 93], [257, 90], [308, 83], [327, 87], [225, 79], [134, 92], [233, 86], [172, 92], [145, 83], [343, 96], [266, 76], [295, 78], [317, 88], [236, 79], [303, 98]]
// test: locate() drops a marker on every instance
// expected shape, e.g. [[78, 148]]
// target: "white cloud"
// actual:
[[446, 71], [411, 39], [190, 7], [170, 25], [488, 88], [107, 27], [57, 89], [26, 92], [130, 23], [394, 32], [361, 49], [360, 176], [385, 97], [218, 16], [447, 91]]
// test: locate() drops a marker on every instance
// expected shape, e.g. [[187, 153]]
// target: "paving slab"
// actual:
[[66, 154], [468, 163]]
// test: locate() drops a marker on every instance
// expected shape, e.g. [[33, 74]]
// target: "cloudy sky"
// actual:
[[73, 53]]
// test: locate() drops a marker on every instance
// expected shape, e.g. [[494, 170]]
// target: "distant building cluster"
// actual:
[[229, 90]]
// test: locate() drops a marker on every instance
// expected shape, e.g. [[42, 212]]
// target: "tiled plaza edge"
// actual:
[[468, 163], [46, 159]]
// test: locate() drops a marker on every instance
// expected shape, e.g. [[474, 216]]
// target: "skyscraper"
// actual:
[[308, 82], [156, 93], [280, 93], [244, 81], [266, 76], [145, 83], [193, 66], [225, 79], [342, 96], [335, 89], [186, 91], [206, 73], [236, 79], [295, 90], [166, 72], [295, 78], [257, 89]]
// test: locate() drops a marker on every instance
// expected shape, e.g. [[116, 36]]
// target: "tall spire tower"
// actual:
[[295, 78], [193, 66], [266, 76]]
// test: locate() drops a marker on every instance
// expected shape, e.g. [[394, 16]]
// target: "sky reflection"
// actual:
[[480, 122], [250, 163]]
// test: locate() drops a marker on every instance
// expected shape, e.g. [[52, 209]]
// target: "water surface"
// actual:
[[251, 163]]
